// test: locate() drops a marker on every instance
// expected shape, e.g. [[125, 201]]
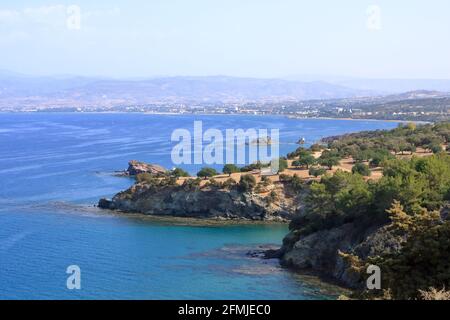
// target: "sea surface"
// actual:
[[55, 166]]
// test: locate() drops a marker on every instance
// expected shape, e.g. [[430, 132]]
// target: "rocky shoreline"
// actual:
[[319, 252], [137, 167], [316, 253], [343, 222], [205, 203]]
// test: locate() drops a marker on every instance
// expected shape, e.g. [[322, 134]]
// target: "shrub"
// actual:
[[230, 168], [296, 183], [229, 184], [146, 178], [316, 172], [168, 181], [247, 183], [361, 169], [254, 166], [285, 177], [265, 181], [214, 183], [272, 197], [433, 294], [191, 184]]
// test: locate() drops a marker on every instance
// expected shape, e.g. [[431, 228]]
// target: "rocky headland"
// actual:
[[206, 199]]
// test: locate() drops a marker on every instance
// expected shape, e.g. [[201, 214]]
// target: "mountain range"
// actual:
[[20, 90], [17, 90]]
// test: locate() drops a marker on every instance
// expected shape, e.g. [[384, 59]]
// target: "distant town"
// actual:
[[225, 95], [411, 106]]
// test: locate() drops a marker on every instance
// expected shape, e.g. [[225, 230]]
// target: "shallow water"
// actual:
[[54, 168]]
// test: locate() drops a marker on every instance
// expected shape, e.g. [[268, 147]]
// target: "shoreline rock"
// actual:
[[167, 197], [318, 252], [209, 203], [138, 167]]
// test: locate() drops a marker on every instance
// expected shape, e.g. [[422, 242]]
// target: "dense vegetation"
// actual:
[[369, 145], [422, 264], [410, 200]]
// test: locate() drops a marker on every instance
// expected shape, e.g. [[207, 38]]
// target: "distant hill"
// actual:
[[78, 91], [391, 86], [418, 94]]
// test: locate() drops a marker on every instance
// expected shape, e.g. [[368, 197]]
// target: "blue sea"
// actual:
[[55, 166]]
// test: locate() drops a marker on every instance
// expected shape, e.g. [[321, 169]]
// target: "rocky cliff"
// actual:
[[204, 202], [319, 252]]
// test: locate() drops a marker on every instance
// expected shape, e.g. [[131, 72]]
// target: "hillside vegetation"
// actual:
[[399, 222]]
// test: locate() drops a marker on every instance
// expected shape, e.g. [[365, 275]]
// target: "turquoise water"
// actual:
[[54, 168]]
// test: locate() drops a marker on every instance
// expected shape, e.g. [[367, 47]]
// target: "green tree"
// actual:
[[435, 147], [329, 162], [304, 161], [206, 173], [379, 156], [361, 169], [296, 163], [362, 155], [178, 173], [230, 168], [316, 147]]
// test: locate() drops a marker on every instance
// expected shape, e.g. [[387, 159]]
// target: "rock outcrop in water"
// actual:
[[137, 167]]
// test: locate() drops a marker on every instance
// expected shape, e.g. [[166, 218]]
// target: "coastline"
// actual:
[[359, 119], [189, 221], [219, 115]]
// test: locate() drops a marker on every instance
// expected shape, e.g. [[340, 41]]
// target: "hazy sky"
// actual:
[[258, 38]]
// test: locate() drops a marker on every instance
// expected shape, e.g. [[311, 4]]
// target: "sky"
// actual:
[[250, 38]]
